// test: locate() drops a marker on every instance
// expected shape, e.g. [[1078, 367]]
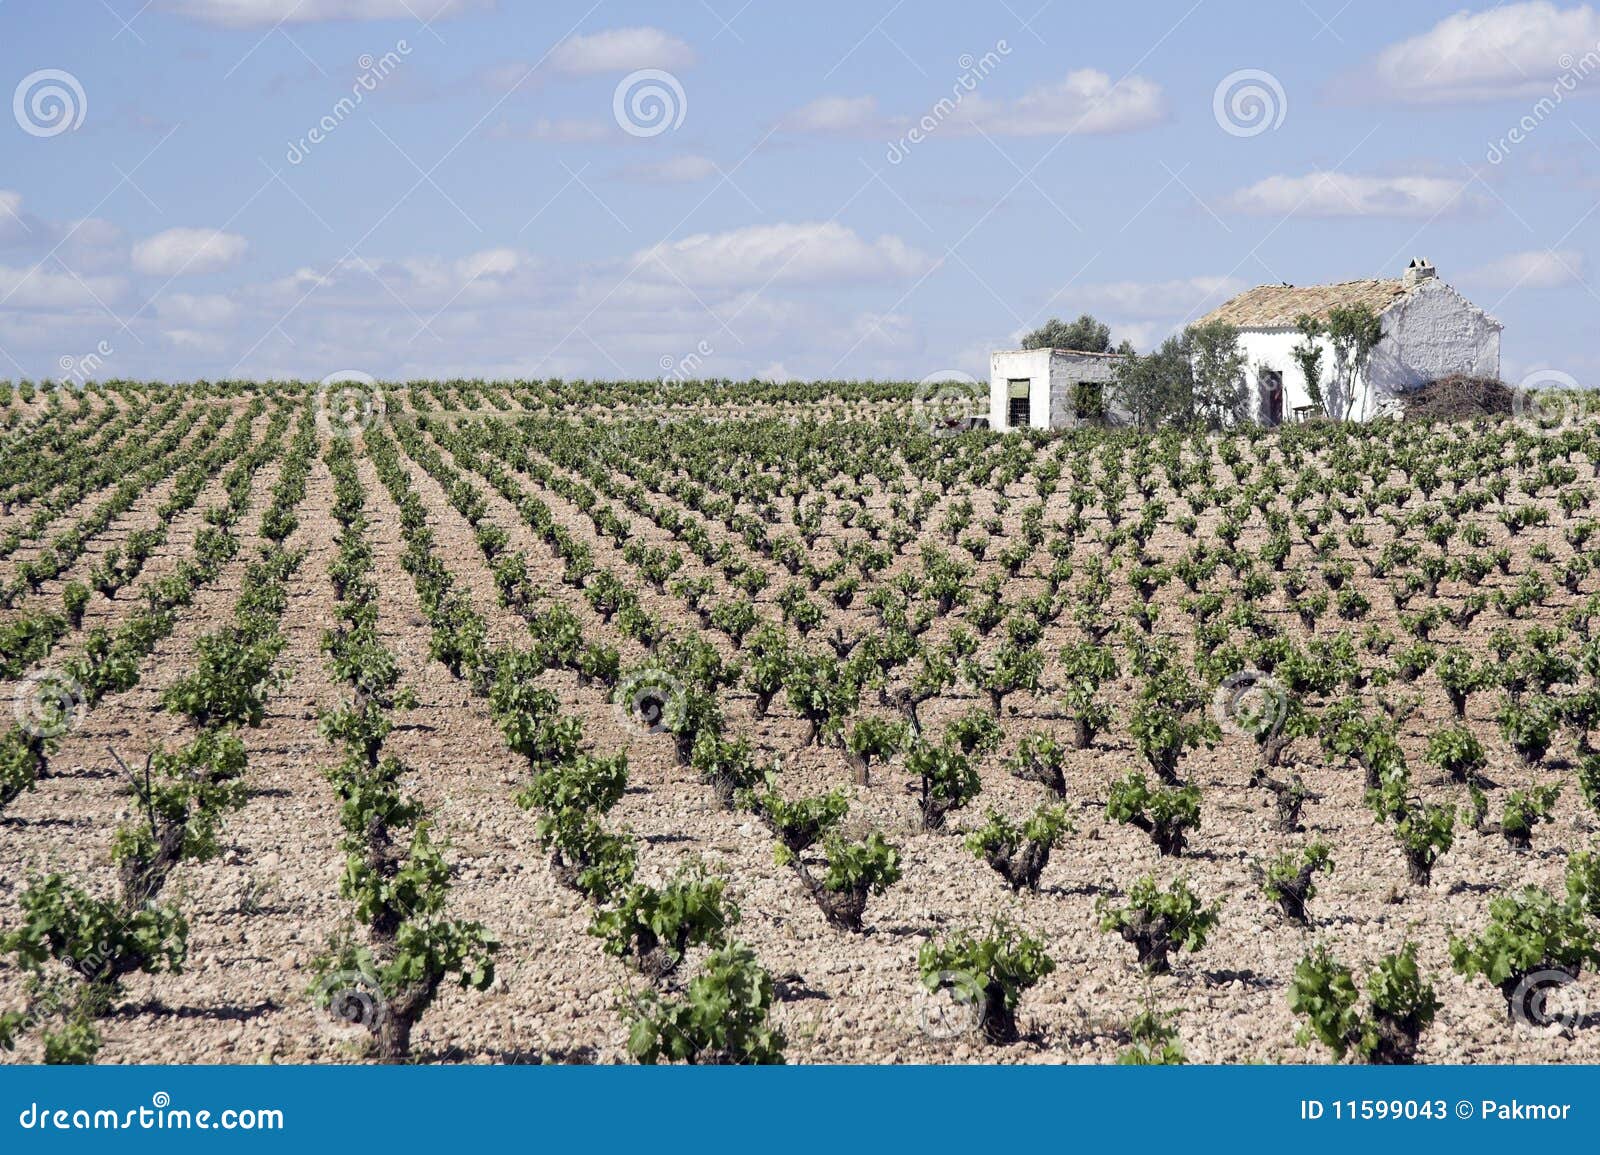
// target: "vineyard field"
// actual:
[[525, 722]]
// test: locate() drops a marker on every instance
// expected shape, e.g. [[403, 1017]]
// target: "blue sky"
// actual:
[[495, 205]]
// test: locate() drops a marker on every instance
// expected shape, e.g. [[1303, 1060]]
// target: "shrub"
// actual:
[[824, 692], [1013, 668], [767, 667], [1287, 880], [736, 618], [654, 927], [581, 785], [1158, 922], [1424, 830], [1524, 809], [1371, 742], [1040, 758], [586, 856], [75, 599], [1289, 798], [97, 939], [721, 1018], [1460, 677], [854, 872], [974, 733], [875, 737], [1457, 752], [1583, 881], [1085, 667], [1528, 726], [1528, 932], [405, 981], [1400, 1005], [726, 765], [233, 676], [1166, 814], [992, 971], [1160, 725], [1588, 775], [1020, 853], [23, 758], [801, 823], [180, 800], [948, 780], [1155, 1042]]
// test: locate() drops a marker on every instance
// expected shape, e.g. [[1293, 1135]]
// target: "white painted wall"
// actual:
[[1034, 364], [1271, 349], [1429, 333]]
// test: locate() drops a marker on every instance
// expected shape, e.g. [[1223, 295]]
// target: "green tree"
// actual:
[[1156, 388], [1308, 357], [1085, 335], [1354, 332], [1217, 364]]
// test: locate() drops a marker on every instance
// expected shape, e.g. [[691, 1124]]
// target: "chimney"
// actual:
[[1420, 269]]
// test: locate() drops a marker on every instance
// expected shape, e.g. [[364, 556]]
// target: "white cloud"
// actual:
[[190, 310], [40, 288], [506, 75], [1085, 101], [1144, 313], [836, 114], [1157, 298], [1508, 51], [502, 312], [1337, 194], [806, 253], [892, 334], [1536, 269], [196, 341], [91, 245], [14, 227], [254, 13], [494, 264], [426, 283], [1145, 335], [559, 131], [674, 170], [621, 50], [568, 320], [188, 251]]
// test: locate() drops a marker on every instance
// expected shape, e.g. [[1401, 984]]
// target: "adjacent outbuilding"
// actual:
[[1049, 388]]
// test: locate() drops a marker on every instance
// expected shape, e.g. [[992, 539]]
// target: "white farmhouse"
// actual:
[[1429, 331]]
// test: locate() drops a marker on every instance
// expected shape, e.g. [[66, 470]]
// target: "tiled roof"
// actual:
[[1279, 306]]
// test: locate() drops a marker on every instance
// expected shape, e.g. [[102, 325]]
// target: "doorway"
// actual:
[[1271, 397], [1017, 404]]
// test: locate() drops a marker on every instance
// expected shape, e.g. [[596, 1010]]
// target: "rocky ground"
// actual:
[[262, 911]]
